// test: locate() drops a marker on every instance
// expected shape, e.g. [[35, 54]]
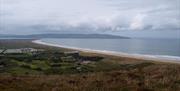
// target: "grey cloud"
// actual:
[[89, 15]]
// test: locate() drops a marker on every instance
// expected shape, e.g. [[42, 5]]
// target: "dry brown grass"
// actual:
[[159, 77]]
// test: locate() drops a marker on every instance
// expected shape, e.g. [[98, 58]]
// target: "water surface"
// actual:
[[169, 47]]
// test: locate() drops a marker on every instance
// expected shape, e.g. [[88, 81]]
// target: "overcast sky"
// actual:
[[136, 18]]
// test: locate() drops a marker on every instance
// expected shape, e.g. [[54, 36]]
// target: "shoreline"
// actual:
[[168, 59]]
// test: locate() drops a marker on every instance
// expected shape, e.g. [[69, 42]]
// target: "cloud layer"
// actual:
[[89, 15]]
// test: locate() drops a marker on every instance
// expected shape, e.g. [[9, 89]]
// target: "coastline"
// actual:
[[119, 54]]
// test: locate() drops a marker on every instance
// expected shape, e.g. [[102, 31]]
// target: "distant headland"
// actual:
[[100, 36]]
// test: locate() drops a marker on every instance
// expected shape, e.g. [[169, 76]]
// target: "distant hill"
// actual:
[[101, 36]]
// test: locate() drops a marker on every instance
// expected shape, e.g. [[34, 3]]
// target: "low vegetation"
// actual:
[[53, 70]]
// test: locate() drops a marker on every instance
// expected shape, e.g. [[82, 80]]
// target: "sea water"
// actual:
[[165, 47]]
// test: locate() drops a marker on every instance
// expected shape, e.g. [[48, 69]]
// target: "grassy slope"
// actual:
[[110, 74]]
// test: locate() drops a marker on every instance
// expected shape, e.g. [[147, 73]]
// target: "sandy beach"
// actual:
[[119, 54]]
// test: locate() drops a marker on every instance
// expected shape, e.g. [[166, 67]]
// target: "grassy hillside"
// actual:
[[48, 71]]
